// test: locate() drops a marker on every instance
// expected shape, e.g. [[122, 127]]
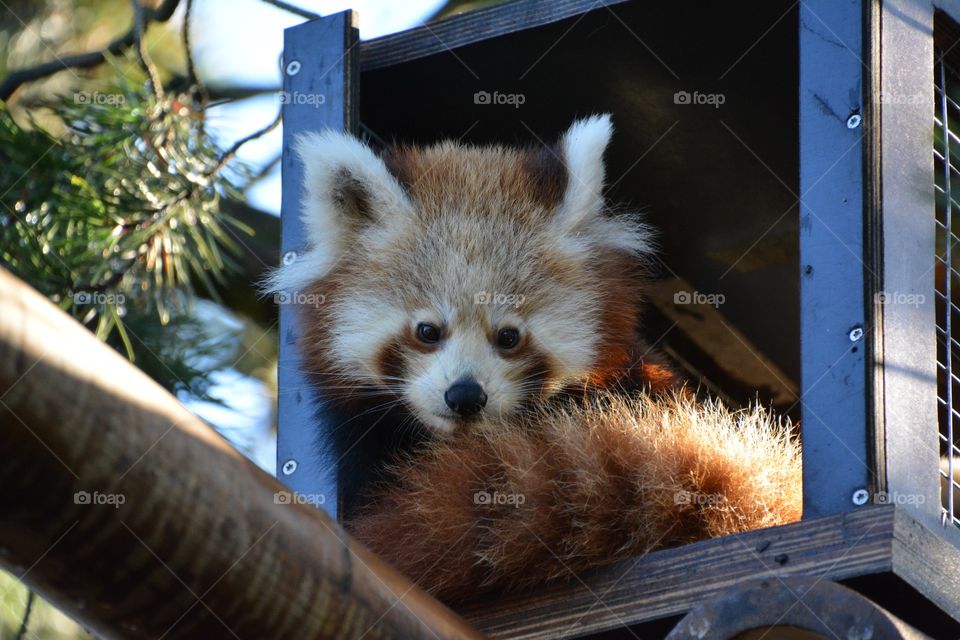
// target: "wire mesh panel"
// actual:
[[947, 277]]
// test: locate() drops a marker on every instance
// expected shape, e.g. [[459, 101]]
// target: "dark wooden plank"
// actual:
[[929, 560], [323, 53], [671, 581], [463, 29], [836, 462]]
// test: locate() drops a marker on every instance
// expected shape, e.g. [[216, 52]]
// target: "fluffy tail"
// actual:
[[511, 506]]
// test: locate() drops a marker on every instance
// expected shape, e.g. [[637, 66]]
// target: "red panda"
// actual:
[[484, 302]]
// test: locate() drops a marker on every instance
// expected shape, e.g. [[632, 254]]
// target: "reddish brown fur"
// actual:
[[601, 484], [599, 472]]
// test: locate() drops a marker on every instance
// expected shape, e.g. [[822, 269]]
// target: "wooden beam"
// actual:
[[470, 27], [672, 581], [928, 560], [139, 521]]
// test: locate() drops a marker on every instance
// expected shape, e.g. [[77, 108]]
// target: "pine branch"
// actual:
[[87, 60]]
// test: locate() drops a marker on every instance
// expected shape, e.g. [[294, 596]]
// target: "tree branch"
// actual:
[[232, 151], [16, 78], [187, 46], [303, 13], [25, 620], [140, 26]]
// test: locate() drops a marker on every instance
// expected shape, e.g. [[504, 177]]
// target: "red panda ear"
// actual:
[[582, 148], [346, 185], [580, 219], [347, 191]]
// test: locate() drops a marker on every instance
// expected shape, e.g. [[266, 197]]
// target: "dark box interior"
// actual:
[[720, 183]]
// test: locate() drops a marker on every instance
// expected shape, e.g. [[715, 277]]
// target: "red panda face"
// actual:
[[463, 282]]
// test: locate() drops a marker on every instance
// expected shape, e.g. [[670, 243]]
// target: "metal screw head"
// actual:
[[855, 334], [289, 257], [860, 497], [293, 67], [289, 467], [854, 121]]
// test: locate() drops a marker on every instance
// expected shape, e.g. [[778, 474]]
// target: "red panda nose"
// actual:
[[465, 397]]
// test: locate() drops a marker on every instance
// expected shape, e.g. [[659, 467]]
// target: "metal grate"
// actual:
[[947, 262]]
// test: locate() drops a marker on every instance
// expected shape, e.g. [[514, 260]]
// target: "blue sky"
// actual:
[[239, 42]]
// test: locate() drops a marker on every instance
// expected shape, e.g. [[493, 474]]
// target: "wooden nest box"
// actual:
[[798, 159]]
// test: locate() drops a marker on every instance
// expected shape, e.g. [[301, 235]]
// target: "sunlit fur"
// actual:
[[581, 419], [424, 234], [600, 482]]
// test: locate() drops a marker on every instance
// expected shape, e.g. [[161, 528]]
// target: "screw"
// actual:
[[293, 68], [860, 497], [289, 257], [289, 467], [855, 334], [854, 121]]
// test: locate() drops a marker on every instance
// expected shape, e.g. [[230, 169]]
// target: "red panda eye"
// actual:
[[428, 333], [508, 338]]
